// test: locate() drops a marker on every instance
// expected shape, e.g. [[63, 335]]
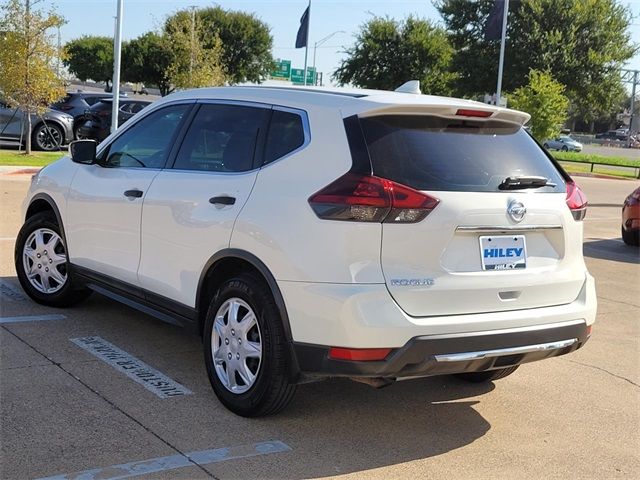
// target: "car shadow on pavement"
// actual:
[[613, 249], [358, 428]]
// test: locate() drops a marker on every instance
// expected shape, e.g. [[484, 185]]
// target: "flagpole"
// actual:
[[502, 48], [306, 46]]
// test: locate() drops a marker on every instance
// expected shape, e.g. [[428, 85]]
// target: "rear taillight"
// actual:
[[367, 198], [576, 201]]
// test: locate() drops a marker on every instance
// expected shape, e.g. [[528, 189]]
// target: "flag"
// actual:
[[493, 27], [303, 31]]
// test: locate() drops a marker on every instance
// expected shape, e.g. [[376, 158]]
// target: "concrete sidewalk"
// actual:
[[18, 170]]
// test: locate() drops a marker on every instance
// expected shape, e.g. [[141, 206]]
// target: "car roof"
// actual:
[[350, 101]]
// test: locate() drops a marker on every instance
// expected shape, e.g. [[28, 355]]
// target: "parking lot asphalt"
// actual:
[[63, 410]]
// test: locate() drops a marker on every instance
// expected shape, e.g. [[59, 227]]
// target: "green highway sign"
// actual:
[[282, 69], [297, 76]]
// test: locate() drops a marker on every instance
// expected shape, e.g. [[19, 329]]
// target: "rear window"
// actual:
[[433, 153]]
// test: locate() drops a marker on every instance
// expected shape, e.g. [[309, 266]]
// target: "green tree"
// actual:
[[581, 43], [387, 53], [148, 59], [543, 98], [246, 42], [90, 57], [27, 55], [193, 64]]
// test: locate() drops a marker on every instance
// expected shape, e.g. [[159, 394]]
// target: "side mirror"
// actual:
[[83, 151]]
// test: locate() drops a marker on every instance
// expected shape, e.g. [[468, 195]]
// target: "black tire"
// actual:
[[630, 238], [271, 390], [76, 134], [48, 138], [488, 376], [546, 146], [565, 148], [69, 294]]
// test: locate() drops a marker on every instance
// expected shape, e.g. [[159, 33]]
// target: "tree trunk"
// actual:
[[28, 137]]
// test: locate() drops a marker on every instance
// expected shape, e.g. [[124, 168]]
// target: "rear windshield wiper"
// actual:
[[517, 183]]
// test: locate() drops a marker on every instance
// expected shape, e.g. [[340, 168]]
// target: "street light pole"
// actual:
[[193, 34], [320, 42], [116, 69]]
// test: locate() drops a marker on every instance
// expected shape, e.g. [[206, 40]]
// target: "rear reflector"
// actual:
[[358, 354], [576, 201], [467, 112], [367, 198]]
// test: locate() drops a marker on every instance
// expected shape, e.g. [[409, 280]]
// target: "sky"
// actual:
[[95, 17]]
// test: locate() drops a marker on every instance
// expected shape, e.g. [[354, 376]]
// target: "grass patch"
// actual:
[[599, 169], [593, 158], [36, 159]]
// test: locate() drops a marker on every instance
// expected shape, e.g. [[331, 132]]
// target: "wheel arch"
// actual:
[[42, 202], [230, 261]]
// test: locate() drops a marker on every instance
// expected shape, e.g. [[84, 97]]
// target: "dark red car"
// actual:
[[631, 218]]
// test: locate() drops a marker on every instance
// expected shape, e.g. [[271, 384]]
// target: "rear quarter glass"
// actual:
[[441, 154]]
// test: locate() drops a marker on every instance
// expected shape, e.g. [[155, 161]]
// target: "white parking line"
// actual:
[[138, 371], [7, 239], [9, 291], [171, 462], [33, 318]]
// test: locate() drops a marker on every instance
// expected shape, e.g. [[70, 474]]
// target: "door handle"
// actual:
[[223, 200], [135, 193]]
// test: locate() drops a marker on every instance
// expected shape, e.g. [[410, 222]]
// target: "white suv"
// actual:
[[307, 233]]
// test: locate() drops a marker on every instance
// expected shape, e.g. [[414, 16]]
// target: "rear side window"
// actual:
[[433, 153], [286, 134], [222, 138]]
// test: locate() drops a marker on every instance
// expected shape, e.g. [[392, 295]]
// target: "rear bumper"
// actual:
[[458, 353], [366, 316]]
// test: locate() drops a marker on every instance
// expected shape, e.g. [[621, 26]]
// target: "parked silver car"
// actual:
[[564, 143], [49, 131]]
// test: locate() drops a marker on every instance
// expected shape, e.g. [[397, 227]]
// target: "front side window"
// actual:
[[222, 138], [147, 143]]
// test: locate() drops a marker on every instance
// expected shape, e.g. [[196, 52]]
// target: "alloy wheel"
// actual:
[[44, 258], [48, 138], [236, 345]]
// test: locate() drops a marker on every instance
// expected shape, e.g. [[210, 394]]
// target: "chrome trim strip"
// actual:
[[468, 356], [508, 228]]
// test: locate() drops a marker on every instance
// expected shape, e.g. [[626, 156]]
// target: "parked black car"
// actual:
[[95, 124], [49, 131], [76, 103]]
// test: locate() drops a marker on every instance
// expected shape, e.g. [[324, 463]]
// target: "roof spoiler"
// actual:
[[412, 86], [475, 110]]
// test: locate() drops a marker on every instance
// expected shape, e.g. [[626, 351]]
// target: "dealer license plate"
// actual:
[[503, 252]]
